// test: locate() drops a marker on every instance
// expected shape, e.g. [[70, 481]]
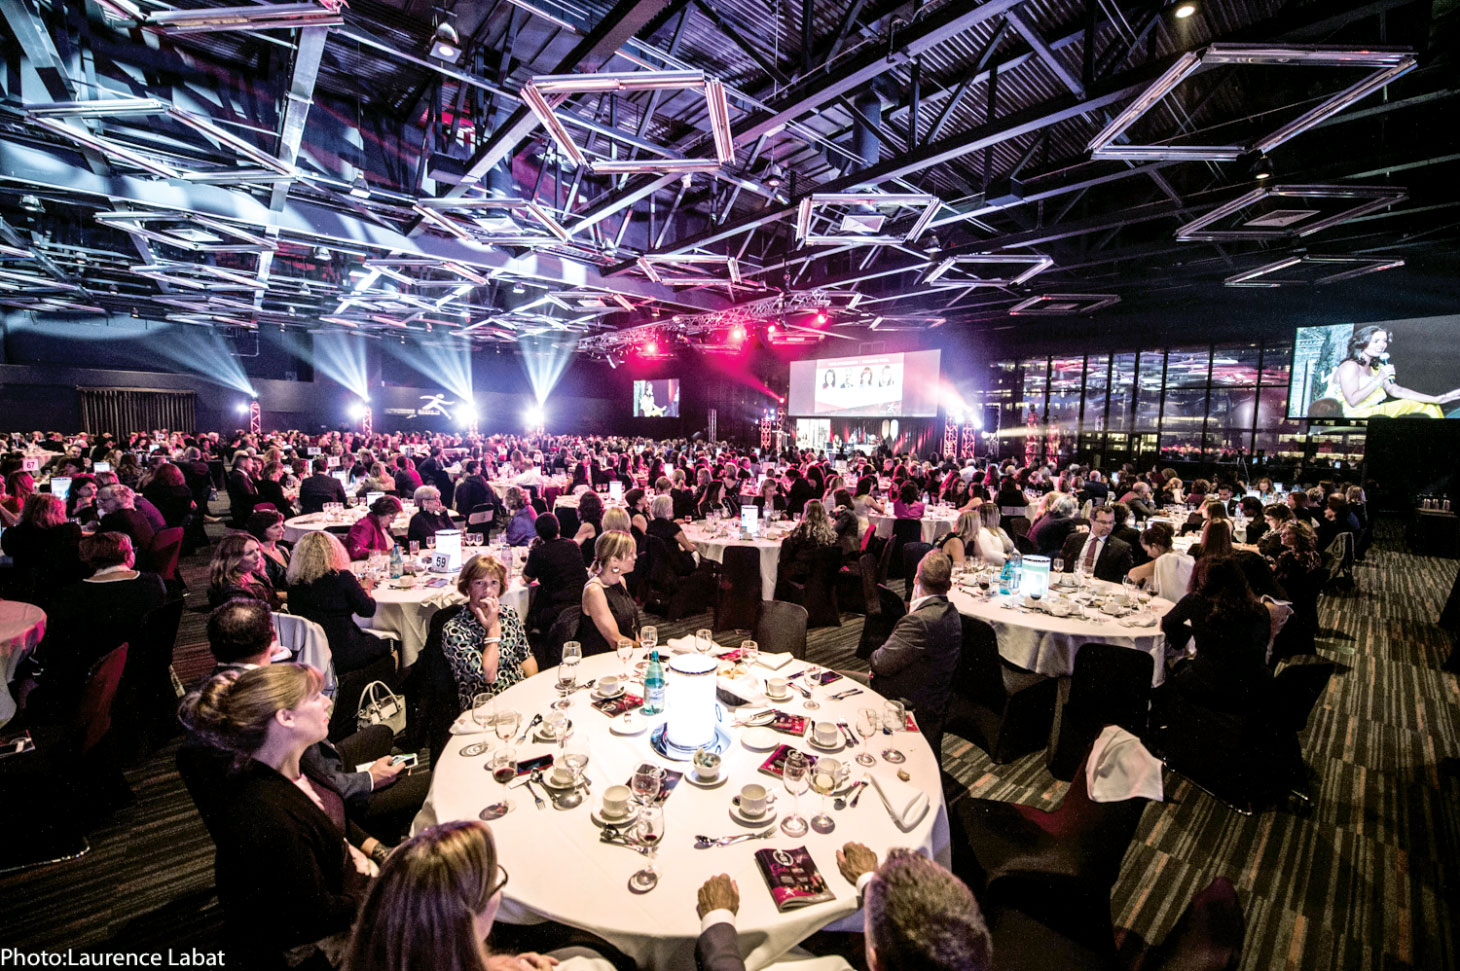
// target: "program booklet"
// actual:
[[776, 764], [789, 723], [792, 878], [613, 707]]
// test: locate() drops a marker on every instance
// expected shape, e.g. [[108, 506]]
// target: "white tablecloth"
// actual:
[[405, 612], [1046, 644], [935, 524], [22, 626], [710, 542], [560, 871]]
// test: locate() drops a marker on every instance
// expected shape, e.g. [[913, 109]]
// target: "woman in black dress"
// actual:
[[609, 611], [1230, 629], [322, 589]]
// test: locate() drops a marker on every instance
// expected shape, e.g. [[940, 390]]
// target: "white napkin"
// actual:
[[774, 661], [749, 687], [681, 645], [1119, 767], [907, 805], [465, 726]]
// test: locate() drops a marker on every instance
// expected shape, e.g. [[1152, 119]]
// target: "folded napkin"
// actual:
[[681, 645], [907, 805], [741, 691], [465, 726], [444, 597], [1119, 767], [774, 661]]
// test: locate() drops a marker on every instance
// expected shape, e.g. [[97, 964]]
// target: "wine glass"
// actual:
[[894, 719], [507, 722], [650, 830], [985, 584], [1129, 586], [567, 683], [704, 640], [827, 776], [1057, 565], [572, 651], [503, 766], [431, 542], [647, 780], [869, 720], [415, 547], [575, 756], [794, 778], [749, 653], [625, 650], [812, 680], [481, 715]]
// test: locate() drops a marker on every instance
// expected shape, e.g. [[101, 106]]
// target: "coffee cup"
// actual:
[[554, 724], [562, 775], [753, 801], [616, 802], [707, 766], [778, 688], [608, 685], [824, 734]]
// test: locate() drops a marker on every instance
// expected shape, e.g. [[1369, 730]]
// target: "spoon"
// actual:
[[536, 721], [552, 796], [840, 802]]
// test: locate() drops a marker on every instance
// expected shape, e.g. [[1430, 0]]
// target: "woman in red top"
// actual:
[[371, 534]]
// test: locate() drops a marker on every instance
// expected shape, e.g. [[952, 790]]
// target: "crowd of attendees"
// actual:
[[271, 768]]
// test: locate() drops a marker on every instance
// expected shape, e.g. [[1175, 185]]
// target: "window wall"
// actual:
[[1209, 403]]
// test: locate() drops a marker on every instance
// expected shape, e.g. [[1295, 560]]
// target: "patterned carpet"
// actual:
[[1366, 880]]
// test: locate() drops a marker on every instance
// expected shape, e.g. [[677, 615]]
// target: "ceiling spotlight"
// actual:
[[1184, 10], [820, 317], [446, 45], [518, 288], [737, 333], [651, 348], [31, 203], [1262, 168], [774, 175], [360, 189], [686, 180]]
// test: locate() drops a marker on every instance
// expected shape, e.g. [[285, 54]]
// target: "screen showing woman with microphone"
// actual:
[[1364, 384]]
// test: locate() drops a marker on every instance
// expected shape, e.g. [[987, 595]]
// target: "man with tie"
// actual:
[[1097, 553]]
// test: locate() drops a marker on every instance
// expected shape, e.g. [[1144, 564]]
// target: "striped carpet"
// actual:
[[1366, 880]]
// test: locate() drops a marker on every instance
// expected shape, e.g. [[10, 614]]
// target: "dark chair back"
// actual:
[[1208, 937], [912, 555], [739, 589], [820, 598], [1024, 545], [146, 692], [93, 716], [1110, 685], [432, 686], [1297, 688], [980, 675], [1016, 526], [163, 554], [568, 521], [780, 628], [481, 518], [564, 628], [878, 626], [867, 570], [904, 531]]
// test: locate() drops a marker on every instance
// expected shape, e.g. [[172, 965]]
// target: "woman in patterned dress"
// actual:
[[485, 644]]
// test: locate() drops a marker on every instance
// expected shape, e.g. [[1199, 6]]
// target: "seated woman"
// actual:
[[169, 492], [683, 495], [43, 547], [520, 517], [1299, 559], [238, 570], [371, 532], [1275, 517], [81, 502], [845, 524], [431, 515], [271, 489], [267, 527], [322, 589], [556, 564], [1010, 498], [994, 545], [953, 491], [18, 487], [608, 609], [798, 550], [485, 643], [663, 525], [590, 524], [1364, 385], [379, 480], [1216, 539], [433, 907], [907, 505], [280, 834], [1167, 574], [712, 500], [865, 502], [770, 498], [1230, 628], [961, 544]]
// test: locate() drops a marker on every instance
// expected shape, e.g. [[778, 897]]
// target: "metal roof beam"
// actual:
[[35, 40], [1030, 33]]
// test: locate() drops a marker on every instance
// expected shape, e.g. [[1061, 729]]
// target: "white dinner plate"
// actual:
[[629, 723], [760, 739]]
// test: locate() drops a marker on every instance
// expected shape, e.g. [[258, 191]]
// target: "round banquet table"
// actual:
[[562, 872], [405, 612], [317, 521], [1046, 644], [22, 626], [710, 542], [935, 523]]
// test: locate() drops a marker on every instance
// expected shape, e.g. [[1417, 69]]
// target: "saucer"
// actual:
[[630, 723], [840, 744], [538, 735], [784, 697], [596, 813], [547, 783], [695, 780], [765, 820], [760, 739], [602, 696]]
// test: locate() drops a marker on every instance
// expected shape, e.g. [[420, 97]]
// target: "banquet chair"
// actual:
[[549, 647], [1024, 545], [1081, 839], [69, 780], [481, 518], [668, 594], [1003, 709], [903, 531], [1251, 759], [780, 628], [163, 553], [912, 555], [1016, 525], [568, 521], [1338, 560], [884, 610], [818, 593], [1110, 685], [1208, 935], [431, 690], [1299, 634], [146, 693], [1040, 920], [738, 599]]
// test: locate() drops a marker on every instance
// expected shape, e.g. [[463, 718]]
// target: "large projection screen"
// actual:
[[1334, 377], [898, 385]]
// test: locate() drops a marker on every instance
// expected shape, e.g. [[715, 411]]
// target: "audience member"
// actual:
[[239, 570], [798, 549], [556, 564], [119, 514], [917, 662], [323, 589], [319, 488], [520, 517], [1097, 552], [431, 516], [43, 548], [608, 609], [485, 643], [372, 531]]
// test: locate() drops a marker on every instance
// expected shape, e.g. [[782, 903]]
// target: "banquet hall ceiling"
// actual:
[[589, 172]]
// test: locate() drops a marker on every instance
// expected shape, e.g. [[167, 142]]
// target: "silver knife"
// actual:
[[743, 837], [849, 693]]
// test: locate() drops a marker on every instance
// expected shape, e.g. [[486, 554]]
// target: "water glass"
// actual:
[[794, 779], [812, 680], [704, 640], [894, 719], [503, 766], [749, 653], [647, 780], [625, 649], [430, 542], [415, 547], [567, 683], [650, 832], [869, 721]]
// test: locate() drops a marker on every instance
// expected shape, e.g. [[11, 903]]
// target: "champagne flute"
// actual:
[[826, 777], [894, 719], [503, 766], [647, 780], [567, 682], [625, 649], [794, 778], [650, 830], [812, 680], [704, 640], [869, 720]]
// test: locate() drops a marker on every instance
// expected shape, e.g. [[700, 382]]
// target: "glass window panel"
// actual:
[[1180, 445], [1065, 379], [1236, 366], [1188, 368], [1232, 407], [1272, 409], [1036, 379], [1278, 446], [1277, 362], [1122, 391], [1148, 391], [1186, 411], [1095, 385], [1228, 444]]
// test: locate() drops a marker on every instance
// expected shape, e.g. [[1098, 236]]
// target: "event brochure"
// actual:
[[671, 779], [613, 707], [776, 764], [789, 723], [792, 878]]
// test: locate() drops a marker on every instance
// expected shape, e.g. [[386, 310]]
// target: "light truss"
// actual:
[[198, 276], [325, 13], [864, 233], [651, 265], [196, 233], [1302, 222], [435, 210], [545, 93], [1388, 64], [391, 267], [1034, 263], [1063, 304], [1262, 276]]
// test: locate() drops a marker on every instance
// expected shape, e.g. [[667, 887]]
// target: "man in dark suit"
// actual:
[[320, 488], [242, 492], [1108, 559], [473, 490], [915, 915], [117, 504], [1128, 535], [916, 663], [1095, 490], [800, 492]]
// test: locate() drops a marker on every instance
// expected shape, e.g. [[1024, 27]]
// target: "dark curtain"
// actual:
[[123, 410]]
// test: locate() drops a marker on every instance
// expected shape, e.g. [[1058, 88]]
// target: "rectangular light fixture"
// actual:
[[1368, 197], [929, 204], [442, 222], [1262, 276], [1037, 263], [106, 147], [1388, 64], [98, 108], [1063, 304], [649, 265], [260, 17]]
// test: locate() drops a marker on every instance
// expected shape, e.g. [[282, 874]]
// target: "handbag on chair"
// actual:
[[381, 706]]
